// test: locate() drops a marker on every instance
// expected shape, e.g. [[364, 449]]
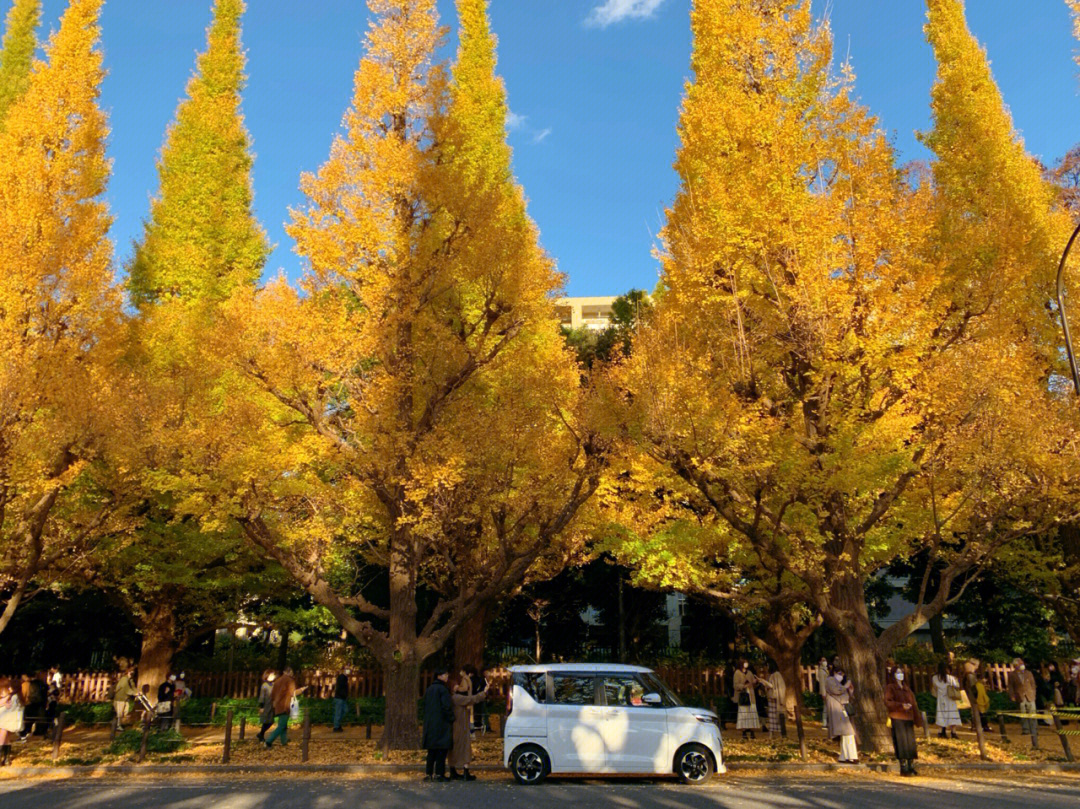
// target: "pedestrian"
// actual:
[[123, 693], [1052, 689], [266, 706], [164, 708], [839, 691], [1022, 692], [11, 718], [976, 695], [53, 682], [479, 683], [33, 695], [282, 694], [1071, 691], [777, 700], [181, 693], [947, 691], [744, 683], [438, 735], [463, 698], [341, 699], [823, 674], [905, 716]]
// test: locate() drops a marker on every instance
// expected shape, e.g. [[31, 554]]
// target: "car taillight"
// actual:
[[509, 699]]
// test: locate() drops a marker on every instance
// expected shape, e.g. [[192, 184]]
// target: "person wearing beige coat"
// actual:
[[1022, 692], [463, 700]]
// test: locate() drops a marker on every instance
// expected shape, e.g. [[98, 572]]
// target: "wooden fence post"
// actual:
[[145, 736], [367, 729], [243, 725], [305, 739], [228, 737], [58, 734], [1064, 739], [1001, 726], [976, 720], [213, 711]]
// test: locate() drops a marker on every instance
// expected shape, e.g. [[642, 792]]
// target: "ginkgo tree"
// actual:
[[59, 311], [413, 407], [848, 362], [201, 242]]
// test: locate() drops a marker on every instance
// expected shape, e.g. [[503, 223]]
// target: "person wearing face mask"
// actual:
[[749, 722], [906, 716], [838, 693], [947, 692], [1022, 692]]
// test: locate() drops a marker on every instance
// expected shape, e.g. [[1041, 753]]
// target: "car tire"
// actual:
[[694, 764], [530, 764]]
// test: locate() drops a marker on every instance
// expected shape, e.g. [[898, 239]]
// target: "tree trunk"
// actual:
[[401, 668], [790, 667], [622, 621], [159, 644], [863, 663], [283, 649], [402, 688], [937, 634], [469, 641]]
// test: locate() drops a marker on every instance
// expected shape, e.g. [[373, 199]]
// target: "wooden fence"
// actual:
[[700, 681]]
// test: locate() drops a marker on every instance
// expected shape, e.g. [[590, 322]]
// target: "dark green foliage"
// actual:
[[159, 741]]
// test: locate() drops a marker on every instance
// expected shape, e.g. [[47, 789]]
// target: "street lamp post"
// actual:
[[1061, 310]]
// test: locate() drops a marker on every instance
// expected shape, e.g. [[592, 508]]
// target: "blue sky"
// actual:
[[594, 87]]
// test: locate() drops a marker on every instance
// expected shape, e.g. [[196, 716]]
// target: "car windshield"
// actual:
[[656, 684]]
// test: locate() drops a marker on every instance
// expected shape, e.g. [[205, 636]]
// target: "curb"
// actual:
[[733, 768]]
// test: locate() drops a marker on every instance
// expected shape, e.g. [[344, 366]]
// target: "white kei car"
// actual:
[[605, 719]]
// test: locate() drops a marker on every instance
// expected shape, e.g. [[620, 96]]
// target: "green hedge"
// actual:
[[158, 741]]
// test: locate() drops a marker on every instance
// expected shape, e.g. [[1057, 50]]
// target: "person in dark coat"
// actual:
[[438, 727], [341, 699], [906, 716]]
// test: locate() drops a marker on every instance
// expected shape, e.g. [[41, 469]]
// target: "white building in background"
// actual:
[[590, 313]]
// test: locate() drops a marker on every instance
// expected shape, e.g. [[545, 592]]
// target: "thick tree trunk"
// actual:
[[863, 663], [790, 667], [469, 640], [159, 644], [401, 669], [937, 634]]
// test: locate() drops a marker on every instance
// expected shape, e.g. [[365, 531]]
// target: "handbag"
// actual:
[[953, 692], [294, 708], [744, 698]]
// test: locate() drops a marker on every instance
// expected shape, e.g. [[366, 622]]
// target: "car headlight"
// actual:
[[707, 719]]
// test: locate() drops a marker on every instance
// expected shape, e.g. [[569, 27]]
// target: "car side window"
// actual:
[[623, 689], [574, 689], [535, 685]]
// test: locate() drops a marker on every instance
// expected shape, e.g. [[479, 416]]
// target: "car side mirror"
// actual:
[[653, 699]]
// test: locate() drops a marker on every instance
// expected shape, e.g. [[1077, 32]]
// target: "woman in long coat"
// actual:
[[906, 716], [463, 698], [777, 698], [838, 693], [744, 681]]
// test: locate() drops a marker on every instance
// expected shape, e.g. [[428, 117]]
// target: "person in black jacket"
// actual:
[[341, 699], [438, 727]]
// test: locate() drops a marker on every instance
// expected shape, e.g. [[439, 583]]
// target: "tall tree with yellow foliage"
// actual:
[[17, 56], [420, 412], [201, 242], [800, 381], [202, 239], [59, 312]]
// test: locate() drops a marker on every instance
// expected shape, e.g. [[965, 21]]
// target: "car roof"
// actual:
[[583, 668]]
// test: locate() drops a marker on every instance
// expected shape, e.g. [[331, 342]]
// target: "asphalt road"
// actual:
[[319, 793]]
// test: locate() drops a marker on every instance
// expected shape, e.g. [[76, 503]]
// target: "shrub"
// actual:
[[159, 741]]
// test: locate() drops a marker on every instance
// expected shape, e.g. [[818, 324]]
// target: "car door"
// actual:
[[635, 735], [574, 719]]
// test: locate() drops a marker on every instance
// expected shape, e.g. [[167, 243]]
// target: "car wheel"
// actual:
[[530, 764], [694, 764]]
